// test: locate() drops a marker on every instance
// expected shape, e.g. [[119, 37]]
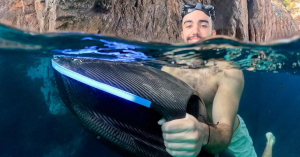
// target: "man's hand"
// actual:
[[184, 137]]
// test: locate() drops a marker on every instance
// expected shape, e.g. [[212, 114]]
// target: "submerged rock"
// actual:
[[43, 70]]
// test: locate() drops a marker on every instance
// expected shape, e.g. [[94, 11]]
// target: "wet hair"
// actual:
[[209, 10]]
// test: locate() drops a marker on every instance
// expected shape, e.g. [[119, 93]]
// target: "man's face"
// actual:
[[196, 26]]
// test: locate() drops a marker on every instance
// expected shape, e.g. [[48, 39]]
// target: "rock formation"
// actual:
[[269, 20], [232, 18], [147, 20], [295, 12]]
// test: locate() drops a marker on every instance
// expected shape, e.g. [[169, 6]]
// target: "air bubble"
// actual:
[[173, 62], [192, 66]]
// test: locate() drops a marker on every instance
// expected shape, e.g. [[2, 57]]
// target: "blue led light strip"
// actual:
[[101, 86]]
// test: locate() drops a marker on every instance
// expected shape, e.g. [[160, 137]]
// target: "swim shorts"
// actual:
[[241, 144]]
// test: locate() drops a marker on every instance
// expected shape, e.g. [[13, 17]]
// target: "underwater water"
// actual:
[[34, 121]]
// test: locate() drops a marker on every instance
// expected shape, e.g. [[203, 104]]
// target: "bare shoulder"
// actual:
[[232, 76], [233, 73]]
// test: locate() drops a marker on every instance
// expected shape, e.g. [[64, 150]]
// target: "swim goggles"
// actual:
[[207, 9]]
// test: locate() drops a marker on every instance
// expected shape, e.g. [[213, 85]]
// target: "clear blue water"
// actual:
[[34, 122]]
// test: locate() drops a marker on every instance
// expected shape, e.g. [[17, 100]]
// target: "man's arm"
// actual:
[[187, 136], [225, 107]]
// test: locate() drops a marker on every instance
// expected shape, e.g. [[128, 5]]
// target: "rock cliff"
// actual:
[[148, 20], [295, 12], [268, 20]]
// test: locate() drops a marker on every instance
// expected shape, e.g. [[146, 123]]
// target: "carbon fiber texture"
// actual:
[[126, 127]]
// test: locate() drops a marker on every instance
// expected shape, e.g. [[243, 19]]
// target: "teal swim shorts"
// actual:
[[241, 144]]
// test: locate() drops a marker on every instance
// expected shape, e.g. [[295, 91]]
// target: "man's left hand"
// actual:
[[184, 137]]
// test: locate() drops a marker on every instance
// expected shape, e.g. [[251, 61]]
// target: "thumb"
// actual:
[[188, 116], [161, 121]]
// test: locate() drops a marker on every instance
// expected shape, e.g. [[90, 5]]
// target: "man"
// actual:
[[220, 89]]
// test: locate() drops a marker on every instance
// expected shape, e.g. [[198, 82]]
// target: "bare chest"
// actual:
[[204, 81]]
